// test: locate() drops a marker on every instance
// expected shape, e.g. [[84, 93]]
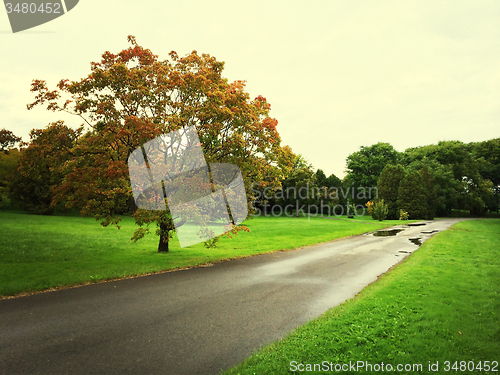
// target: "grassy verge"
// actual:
[[43, 252], [441, 304]]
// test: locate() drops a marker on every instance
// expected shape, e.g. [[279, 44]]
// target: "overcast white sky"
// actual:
[[338, 74]]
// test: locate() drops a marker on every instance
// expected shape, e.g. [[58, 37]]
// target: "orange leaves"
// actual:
[[131, 39], [233, 230], [63, 83], [270, 123], [132, 97], [262, 103], [117, 169], [173, 55], [44, 95]]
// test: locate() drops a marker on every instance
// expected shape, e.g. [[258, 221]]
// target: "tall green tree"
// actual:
[[447, 189], [412, 196], [455, 171], [320, 177], [365, 166], [477, 193], [487, 155], [388, 188], [430, 189]]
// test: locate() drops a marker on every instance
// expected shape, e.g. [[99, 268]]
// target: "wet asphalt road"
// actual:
[[196, 321]]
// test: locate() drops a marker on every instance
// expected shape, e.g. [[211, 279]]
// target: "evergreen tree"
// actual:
[[430, 189], [320, 178], [412, 196], [388, 188]]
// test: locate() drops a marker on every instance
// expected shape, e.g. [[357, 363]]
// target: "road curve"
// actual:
[[196, 321]]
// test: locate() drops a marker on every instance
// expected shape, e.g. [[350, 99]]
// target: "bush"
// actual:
[[369, 205], [351, 209], [380, 210], [403, 215]]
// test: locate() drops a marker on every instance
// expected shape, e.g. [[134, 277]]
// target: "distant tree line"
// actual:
[[431, 180], [425, 181]]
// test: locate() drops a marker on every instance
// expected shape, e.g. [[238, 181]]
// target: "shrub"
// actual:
[[380, 210], [403, 215], [369, 205], [351, 209]]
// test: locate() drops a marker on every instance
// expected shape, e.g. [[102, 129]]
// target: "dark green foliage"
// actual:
[[333, 181], [430, 189], [365, 166], [336, 185], [298, 188], [388, 188], [477, 192], [460, 175], [39, 168], [412, 196], [333, 186], [487, 155], [8, 166], [320, 178]]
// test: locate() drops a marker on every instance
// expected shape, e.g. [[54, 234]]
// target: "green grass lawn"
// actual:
[[440, 304], [44, 252]]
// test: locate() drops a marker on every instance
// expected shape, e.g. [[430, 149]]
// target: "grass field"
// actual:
[[441, 304], [44, 252]]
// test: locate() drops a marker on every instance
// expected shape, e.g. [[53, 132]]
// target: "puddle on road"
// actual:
[[385, 233], [416, 224], [416, 241], [430, 231]]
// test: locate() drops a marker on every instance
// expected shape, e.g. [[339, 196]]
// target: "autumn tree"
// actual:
[[268, 192], [7, 140], [132, 97]]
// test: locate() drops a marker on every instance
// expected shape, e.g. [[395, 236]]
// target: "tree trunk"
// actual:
[[133, 206], [163, 245]]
